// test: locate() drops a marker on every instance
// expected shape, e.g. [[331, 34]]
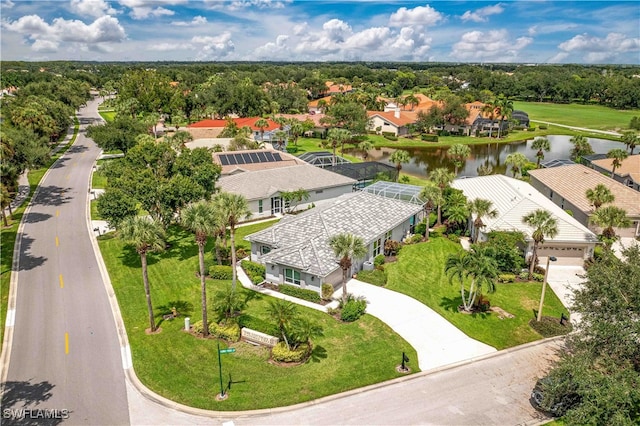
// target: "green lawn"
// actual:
[[108, 115], [98, 180], [420, 274], [184, 368], [578, 115], [94, 211]]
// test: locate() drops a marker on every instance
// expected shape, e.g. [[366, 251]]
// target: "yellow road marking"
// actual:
[[66, 343], [57, 242], [61, 281], [57, 213]]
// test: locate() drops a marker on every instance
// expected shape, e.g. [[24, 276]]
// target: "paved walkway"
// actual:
[[584, 129], [436, 340]]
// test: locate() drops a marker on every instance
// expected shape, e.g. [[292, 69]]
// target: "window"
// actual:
[[562, 204], [292, 276], [265, 249], [259, 206], [387, 236], [551, 195], [376, 247]]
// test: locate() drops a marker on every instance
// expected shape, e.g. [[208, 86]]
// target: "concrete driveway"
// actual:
[[436, 340]]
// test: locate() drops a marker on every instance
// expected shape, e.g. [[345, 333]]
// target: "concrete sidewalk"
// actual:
[[436, 340]]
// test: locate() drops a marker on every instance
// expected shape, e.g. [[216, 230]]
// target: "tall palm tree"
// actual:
[[505, 108], [295, 129], [365, 146], [146, 235], [261, 124], [542, 144], [458, 153], [608, 218], [347, 247], [544, 225], [442, 177], [617, 155], [630, 139], [581, 147], [457, 212], [477, 265], [599, 195], [399, 157], [335, 137], [200, 218], [481, 208], [411, 100], [517, 161], [233, 208], [431, 194]]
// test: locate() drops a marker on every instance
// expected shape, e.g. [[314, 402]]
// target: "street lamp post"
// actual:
[[544, 286]]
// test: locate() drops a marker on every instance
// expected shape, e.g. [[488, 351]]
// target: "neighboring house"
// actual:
[[424, 104], [296, 250], [521, 117], [334, 88], [513, 199], [567, 186], [210, 128], [263, 188], [318, 106], [233, 162], [627, 174], [396, 122]]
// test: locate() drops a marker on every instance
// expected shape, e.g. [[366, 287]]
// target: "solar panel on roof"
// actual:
[[232, 159], [224, 160], [262, 156], [276, 157], [254, 157], [246, 158]]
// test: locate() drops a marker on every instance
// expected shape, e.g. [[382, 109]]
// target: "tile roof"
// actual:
[[287, 160], [302, 117], [314, 103], [261, 184], [405, 117], [571, 182], [630, 166], [241, 122], [514, 199], [302, 241]]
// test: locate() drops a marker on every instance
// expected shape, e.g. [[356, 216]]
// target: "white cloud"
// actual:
[[273, 50], [47, 37], [480, 15], [421, 15], [142, 9], [166, 47], [93, 8], [300, 29], [493, 45], [213, 47], [336, 30], [559, 57], [262, 4], [596, 49], [197, 20], [551, 28], [7, 4]]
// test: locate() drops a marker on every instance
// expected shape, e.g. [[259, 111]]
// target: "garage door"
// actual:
[[561, 251]]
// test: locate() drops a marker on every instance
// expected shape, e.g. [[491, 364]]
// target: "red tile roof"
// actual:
[[240, 122]]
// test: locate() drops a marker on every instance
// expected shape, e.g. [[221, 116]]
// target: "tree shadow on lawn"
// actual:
[[318, 353], [452, 304]]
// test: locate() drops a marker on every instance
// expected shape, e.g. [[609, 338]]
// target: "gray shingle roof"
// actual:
[[254, 185], [514, 199], [302, 241]]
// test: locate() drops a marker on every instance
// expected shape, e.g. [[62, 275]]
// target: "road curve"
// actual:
[[64, 362]]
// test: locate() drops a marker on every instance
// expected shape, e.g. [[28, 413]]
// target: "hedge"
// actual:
[[221, 272], [229, 332], [429, 138], [353, 309], [281, 353], [300, 293], [255, 271], [259, 324]]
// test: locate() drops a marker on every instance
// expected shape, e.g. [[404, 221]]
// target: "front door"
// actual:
[[276, 205]]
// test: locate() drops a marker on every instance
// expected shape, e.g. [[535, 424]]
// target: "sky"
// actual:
[[524, 31]]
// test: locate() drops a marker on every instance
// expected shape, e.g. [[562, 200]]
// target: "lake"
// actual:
[[427, 159]]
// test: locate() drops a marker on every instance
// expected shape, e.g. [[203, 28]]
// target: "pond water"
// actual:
[[426, 159]]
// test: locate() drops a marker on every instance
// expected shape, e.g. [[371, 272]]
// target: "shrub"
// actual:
[[241, 253], [542, 127], [229, 332], [221, 272], [258, 324], [429, 138], [388, 134], [421, 228], [353, 309], [506, 278], [300, 293], [391, 247], [444, 133], [253, 269], [438, 232], [454, 238], [292, 149], [538, 277], [538, 270], [378, 261], [375, 277], [281, 353], [391, 137], [197, 327], [414, 239], [549, 326], [327, 291]]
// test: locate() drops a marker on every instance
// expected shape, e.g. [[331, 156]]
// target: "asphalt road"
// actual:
[[65, 354]]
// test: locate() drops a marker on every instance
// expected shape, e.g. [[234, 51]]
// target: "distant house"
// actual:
[[263, 188], [627, 174], [333, 88], [513, 199], [566, 186], [296, 250], [318, 106], [212, 128], [396, 122], [521, 117]]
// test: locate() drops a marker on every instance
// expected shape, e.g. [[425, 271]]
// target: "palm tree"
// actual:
[[441, 177], [544, 225], [489, 109], [617, 155], [431, 194], [399, 157], [608, 218], [146, 235], [411, 100], [261, 124], [505, 108], [283, 312], [347, 247], [476, 264], [5, 201], [457, 212], [200, 218], [581, 147], [295, 129], [517, 161], [233, 209], [630, 139], [458, 153], [541, 144], [335, 137], [481, 208], [365, 146], [599, 195]]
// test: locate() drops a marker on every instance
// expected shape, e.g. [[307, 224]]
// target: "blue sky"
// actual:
[[316, 30]]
